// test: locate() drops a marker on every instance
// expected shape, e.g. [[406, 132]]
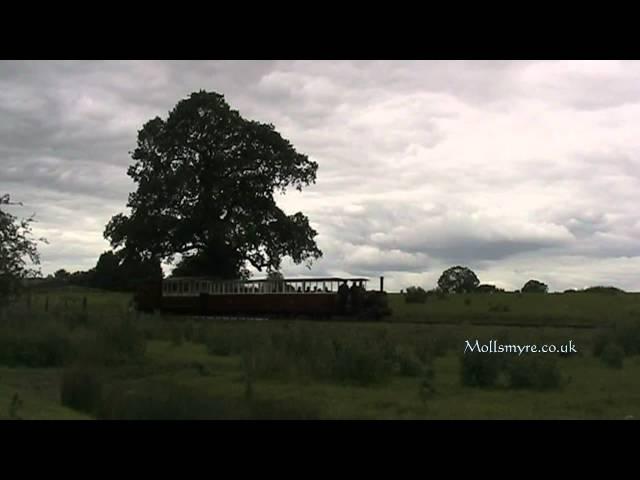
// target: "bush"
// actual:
[[481, 369], [290, 409], [189, 332], [612, 355], [415, 295], [117, 344], [628, 336], [535, 372], [35, 349], [487, 288], [81, 390], [535, 286], [499, 308], [427, 383], [361, 363], [226, 341], [600, 341], [407, 363], [624, 334], [176, 335], [166, 401], [604, 290]]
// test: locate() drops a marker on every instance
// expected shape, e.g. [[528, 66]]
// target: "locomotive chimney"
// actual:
[[381, 284]]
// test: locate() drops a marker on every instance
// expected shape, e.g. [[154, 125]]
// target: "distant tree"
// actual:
[[62, 275], [83, 278], [136, 272], [19, 255], [206, 179], [535, 286], [275, 276], [107, 271], [115, 272], [488, 288], [604, 290], [458, 280], [415, 295], [276, 279]]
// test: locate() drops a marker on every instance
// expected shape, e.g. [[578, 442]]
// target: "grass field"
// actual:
[[60, 361]]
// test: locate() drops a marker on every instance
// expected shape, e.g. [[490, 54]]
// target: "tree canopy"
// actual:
[[206, 179], [458, 280], [534, 286], [19, 256], [114, 272]]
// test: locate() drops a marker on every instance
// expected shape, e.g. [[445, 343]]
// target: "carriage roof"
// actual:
[[286, 279]]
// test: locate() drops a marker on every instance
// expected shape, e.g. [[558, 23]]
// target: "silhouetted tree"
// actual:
[[62, 275], [415, 295], [458, 280], [604, 289], [136, 272], [83, 278], [107, 271], [18, 250], [115, 272], [488, 288], [206, 179], [534, 286]]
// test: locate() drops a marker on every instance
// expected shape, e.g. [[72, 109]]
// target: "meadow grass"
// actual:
[[410, 367]]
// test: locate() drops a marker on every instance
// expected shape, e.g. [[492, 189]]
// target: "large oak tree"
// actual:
[[206, 179]]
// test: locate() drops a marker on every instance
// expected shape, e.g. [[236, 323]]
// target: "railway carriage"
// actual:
[[318, 297]]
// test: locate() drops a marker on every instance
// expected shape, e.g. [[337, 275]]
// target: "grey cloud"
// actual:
[[514, 168]]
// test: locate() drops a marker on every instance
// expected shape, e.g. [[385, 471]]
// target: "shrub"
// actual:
[[487, 288], [289, 409], [35, 349], [189, 332], [407, 363], [600, 341], [612, 355], [499, 308], [535, 372], [81, 389], [604, 290], [427, 383], [535, 286], [176, 335], [628, 336], [363, 361], [166, 401], [225, 341], [15, 406], [481, 369], [119, 343], [415, 295]]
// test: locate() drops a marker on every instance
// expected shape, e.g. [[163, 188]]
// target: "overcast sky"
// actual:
[[518, 170]]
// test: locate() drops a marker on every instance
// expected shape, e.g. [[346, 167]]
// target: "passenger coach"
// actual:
[[288, 296]]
